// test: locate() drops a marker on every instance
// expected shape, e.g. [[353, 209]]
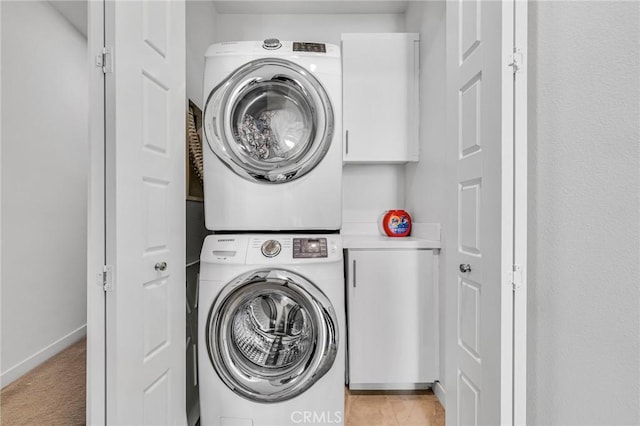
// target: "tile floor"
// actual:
[[391, 409]]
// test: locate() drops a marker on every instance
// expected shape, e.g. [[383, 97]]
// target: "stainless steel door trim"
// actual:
[[223, 99], [252, 381]]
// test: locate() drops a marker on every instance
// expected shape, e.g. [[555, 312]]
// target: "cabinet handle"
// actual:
[[346, 137], [354, 273]]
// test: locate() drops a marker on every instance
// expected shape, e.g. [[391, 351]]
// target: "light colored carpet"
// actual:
[[51, 394]]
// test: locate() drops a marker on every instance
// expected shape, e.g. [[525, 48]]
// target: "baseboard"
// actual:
[[440, 393], [41, 356], [401, 387]]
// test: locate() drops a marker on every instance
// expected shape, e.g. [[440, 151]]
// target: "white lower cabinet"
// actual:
[[391, 310]]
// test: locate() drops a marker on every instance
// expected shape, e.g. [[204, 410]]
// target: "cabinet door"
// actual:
[[392, 342], [380, 97]]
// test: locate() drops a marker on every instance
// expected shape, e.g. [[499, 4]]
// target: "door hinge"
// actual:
[[516, 60], [516, 276], [105, 278], [104, 60]]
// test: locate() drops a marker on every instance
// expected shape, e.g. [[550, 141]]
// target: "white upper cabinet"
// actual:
[[380, 97]]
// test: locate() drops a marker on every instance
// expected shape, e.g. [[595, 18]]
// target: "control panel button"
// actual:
[[271, 248]]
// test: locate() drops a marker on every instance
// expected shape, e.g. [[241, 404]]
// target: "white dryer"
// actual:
[[273, 138], [272, 330]]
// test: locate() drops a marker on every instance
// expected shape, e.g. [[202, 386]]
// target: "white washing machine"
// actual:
[[272, 330], [273, 136]]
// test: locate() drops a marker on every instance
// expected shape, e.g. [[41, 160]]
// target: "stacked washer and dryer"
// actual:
[[271, 292]]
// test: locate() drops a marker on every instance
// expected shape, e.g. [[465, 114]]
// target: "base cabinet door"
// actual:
[[392, 319]]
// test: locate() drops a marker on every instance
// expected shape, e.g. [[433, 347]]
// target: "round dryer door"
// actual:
[[269, 121], [271, 334]]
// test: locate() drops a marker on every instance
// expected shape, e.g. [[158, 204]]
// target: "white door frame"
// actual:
[[520, 223], [96, 253]]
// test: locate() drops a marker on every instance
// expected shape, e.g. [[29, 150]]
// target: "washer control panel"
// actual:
[[304, 248], [272, 249]]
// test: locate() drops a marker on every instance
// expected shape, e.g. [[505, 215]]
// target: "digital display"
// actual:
[[309, 248], [299, 46]]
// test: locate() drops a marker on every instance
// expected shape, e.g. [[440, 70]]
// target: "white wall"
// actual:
[[369, 190], [76, 12], [426, 180], [201, 21], [584, 273], [320, 28], [44, 175]]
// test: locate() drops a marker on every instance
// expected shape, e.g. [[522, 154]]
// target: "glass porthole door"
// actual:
[[271, 334], [269, 121]]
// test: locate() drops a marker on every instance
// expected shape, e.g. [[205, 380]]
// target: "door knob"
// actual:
[[160, 266], [465, 267]]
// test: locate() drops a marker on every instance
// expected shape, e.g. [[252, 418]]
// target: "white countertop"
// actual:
[[382, 242], [367, 236]]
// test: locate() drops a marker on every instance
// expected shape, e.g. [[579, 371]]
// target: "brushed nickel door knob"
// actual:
[[160, 266], [465, 267]]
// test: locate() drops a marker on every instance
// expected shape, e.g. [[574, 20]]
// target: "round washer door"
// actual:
[[270, 121], [271, 334]]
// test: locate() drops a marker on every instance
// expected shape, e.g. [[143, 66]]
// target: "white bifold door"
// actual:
[[486, 296], [136, 321]]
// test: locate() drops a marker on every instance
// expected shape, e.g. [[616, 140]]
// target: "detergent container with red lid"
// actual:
[[395, 223]]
